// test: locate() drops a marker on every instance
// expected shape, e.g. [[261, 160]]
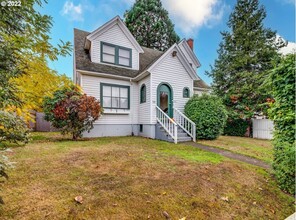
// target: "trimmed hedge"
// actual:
[[209, 115], [282, 112], [236, 127]]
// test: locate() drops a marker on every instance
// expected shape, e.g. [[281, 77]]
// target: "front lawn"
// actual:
[[257, 148], [134, 178]]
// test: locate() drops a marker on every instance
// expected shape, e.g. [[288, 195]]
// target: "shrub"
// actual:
[[282, 112], [209, 115], [12, 129], [236, 127], [71, 111]]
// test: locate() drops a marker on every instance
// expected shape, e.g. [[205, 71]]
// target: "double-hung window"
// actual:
[[115, 96], [116, 55]]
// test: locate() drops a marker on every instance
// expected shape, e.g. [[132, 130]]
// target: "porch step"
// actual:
[[161, 134], [180, 139]]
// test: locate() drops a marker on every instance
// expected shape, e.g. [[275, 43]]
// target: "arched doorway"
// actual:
[[165, 98]]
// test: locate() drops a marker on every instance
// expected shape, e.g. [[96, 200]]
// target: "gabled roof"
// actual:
[[180, 55], [200, 84], [125, 30], [83, 62], [190, 52]]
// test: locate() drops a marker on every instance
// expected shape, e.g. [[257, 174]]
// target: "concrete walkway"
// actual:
[[231, 155]]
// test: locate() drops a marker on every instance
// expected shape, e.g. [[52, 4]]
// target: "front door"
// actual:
[[164, 99]]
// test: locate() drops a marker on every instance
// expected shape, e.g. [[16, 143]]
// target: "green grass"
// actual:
[[256, 148], [134, 178]]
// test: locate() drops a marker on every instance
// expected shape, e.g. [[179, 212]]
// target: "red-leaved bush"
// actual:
[[71, 111]]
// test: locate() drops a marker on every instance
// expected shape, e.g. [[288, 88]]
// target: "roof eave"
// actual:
[[125, 30], [189, 69]]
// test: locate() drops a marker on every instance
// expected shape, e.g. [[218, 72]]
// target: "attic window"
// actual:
[[117, 55]]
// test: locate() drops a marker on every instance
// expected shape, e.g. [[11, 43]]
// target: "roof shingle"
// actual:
[[83, 62], [200, 84]]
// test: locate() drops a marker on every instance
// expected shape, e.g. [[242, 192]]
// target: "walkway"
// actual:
[[231, 155]]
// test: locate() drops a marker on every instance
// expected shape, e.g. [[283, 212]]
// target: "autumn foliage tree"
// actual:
[[71, 111]]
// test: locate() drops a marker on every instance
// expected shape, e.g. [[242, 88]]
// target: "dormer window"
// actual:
[[116, 55]]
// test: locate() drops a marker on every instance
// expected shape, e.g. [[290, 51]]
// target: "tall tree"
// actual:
[[24, 35], [150, 24], [244, 57]]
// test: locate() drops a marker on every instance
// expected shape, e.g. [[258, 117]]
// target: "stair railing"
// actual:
[[185, 123], [169, 125]]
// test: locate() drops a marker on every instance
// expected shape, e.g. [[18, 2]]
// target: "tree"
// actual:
[[281, 82], [150, 24], [209, 115], [245, 56], [72, 111], [24, 35], [32, 88]]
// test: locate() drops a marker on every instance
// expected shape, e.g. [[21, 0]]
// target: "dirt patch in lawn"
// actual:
[[136, 178]]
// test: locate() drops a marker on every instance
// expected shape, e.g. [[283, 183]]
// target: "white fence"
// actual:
[[262, 128]]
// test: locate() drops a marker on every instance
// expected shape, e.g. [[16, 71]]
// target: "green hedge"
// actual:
[[209, 115], [236, 127], [282, 112]]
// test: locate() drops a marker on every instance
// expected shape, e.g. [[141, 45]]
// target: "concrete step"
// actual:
[[180, 130], [163, 135], [180, 139]]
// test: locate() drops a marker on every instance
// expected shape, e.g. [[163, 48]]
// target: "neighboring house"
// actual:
[[140, 89], [200, 87]]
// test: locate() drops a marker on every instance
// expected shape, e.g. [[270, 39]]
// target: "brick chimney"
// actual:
[[190, 43]]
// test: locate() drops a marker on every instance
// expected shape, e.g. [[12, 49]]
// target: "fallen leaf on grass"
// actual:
[[225, 198], [166, 215], [78, 199]]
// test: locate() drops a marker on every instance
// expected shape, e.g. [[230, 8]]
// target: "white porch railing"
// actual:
[[185, 123], [167, 123]]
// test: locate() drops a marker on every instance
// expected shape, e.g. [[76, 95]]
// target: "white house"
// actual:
[[143, 91]]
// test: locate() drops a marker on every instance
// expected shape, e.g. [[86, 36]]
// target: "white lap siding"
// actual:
[[171, 71], [144, 108], [113, 36], [91, 86]]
